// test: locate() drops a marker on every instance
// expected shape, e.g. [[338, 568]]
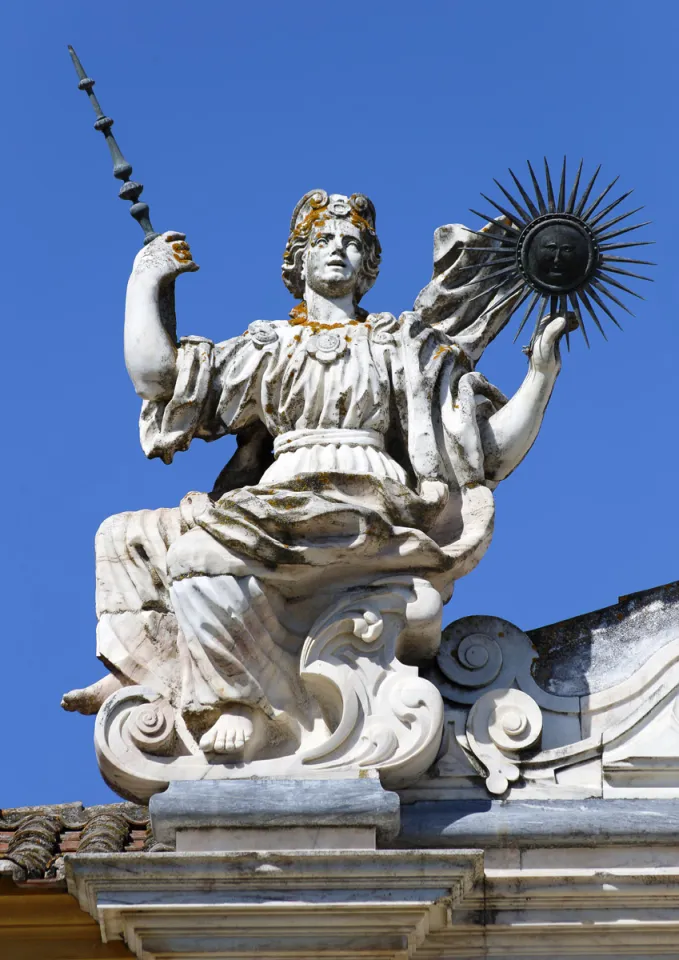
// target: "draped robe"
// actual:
[[377, 469]]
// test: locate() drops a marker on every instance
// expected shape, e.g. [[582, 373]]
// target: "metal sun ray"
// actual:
[[508, 277]]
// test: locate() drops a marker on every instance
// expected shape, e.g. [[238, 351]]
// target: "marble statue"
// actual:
[[275, 624]]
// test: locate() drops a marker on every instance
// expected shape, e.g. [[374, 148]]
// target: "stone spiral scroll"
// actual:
[[500, 725], [378, 714]]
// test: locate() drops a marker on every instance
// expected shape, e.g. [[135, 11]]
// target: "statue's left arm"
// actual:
[[510, 432]]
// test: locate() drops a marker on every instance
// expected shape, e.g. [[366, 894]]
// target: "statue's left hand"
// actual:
[[545, 356]]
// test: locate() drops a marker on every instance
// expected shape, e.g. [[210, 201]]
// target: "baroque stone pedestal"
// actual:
[[274, 868], [576, 857]]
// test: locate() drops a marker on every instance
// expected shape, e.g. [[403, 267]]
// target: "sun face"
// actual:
[[558, 255]]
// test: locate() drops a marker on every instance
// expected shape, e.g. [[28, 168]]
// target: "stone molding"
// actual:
[[372, 905], [539, 901], [568, 902]]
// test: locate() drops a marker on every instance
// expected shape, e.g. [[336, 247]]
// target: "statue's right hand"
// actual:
[[164, 258]]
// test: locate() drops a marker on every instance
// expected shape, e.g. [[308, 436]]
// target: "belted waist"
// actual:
[[294, 439]]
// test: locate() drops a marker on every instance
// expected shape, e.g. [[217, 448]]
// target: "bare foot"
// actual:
[[231, 731], [89, 699]]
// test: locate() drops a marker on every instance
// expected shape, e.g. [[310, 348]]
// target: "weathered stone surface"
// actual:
[[274, 627], [506, 734], [594, 651], [531, 823], [33, 840], [554, 902], [364, 904], [275, 804]]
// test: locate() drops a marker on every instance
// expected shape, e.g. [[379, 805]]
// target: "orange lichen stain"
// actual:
[[319, 215], [444, 348], [458, 351], [300, 318]]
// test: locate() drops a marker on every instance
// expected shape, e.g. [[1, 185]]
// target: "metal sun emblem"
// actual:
[[558, 254]]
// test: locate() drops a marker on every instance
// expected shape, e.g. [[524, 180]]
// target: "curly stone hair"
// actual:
[[316, 206]]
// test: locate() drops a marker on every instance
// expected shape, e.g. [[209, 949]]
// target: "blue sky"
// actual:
[[229, 113]]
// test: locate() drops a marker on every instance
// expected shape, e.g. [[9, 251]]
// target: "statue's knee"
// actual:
[[196, 553], [184, 555]]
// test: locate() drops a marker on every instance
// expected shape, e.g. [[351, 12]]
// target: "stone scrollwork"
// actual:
[[508, 736], [378, 714], [134, 729], [391, 719], [475, 662], [478, 652], [151, 727], [500, 725]]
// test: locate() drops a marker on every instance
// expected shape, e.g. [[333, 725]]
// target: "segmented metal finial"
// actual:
[[122, 170]]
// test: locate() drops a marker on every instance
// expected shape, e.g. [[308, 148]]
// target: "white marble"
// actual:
[[364, 904], [208, 839], [347, 813], [274, 627], [507, 736], [603, 900]]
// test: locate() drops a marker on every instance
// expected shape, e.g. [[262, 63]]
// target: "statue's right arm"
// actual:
[[150, 350]]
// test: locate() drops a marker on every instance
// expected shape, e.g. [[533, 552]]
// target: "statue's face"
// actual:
[[559, 255], [333, 257]]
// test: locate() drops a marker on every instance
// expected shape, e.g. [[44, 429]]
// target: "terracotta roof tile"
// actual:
[[34, 839]]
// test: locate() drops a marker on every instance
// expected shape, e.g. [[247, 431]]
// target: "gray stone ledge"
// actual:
[[192, 805], [515, 823]]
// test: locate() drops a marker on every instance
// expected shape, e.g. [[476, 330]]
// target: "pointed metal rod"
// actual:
[[562, 188], [574, 191], [498, 223], [122, 170], [578, 313], [529, 203], [592, 312], [538, 192], [531, 305]]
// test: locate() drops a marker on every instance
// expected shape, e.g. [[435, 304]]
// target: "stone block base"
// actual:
[[347, 814]]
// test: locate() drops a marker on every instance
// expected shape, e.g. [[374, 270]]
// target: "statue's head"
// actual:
[[332, 246]]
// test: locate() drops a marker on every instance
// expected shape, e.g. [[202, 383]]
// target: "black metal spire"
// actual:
[[122, 170]]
